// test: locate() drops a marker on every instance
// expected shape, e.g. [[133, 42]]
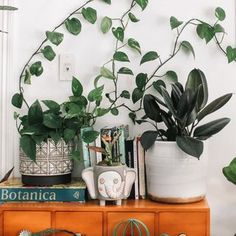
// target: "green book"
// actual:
[[12, 190]]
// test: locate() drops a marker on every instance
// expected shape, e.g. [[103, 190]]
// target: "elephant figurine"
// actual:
[[109, 183]]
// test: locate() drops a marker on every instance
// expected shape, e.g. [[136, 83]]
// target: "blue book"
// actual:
[[12, 190]]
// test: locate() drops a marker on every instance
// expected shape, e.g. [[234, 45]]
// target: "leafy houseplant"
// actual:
[[181, 111]]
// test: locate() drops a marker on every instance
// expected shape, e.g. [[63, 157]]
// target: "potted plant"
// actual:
[[49, 138], [175, 165], [230, 171], [109, 180]]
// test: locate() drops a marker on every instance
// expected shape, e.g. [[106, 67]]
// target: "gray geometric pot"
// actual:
[[53, 164]]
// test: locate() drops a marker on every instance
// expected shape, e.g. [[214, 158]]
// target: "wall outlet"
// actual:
[[66, 66]]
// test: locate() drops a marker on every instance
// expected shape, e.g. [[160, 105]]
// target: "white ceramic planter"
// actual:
[[174, 176]]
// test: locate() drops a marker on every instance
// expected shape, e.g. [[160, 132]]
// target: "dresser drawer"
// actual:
[[113, 218], [186, 223], [89, 223], [15, 221]]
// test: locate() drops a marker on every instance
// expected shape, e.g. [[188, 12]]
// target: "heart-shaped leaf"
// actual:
[[106, 24], [118, 33], [76, 87], [174, 22], [125, 70], [125, 94], [106, 73], [35, 113], [148, 139], [141, 79], [231, 54], [137, 94], [54, 37], [52, 105], [48, 53], [230, 171], [134, 44], [17, 100], [220, 13], [107, 1], [188, 47], [90, 136], [120, 56], [172, 76], [89, 14], [73, 26], [133, 18], [95, 94], [149, 56], [142, 3], [28, 146], [114, 111], [36, 68]]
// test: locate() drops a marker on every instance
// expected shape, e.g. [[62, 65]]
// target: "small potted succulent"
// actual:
[[109, 180], [176, 168]]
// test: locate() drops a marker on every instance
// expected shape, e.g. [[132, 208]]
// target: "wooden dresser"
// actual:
[[94, 220]]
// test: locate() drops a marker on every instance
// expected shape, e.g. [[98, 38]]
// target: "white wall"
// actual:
[[92, 49]]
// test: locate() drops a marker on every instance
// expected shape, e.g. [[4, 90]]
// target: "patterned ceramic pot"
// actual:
[[53, 164]]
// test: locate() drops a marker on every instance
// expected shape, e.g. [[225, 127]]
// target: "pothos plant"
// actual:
[[63, 121]]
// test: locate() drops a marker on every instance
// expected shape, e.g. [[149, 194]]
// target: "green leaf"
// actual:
[[125, 94], [52, 121], [132, 116], [114, 111], [118, 33], [148, 139], [214, 106], [189, 145], [137, 94], [142, 3], [35, 113], [76, 156], [149, 56], [133, 18], [218, 29], [76, 87], [90, 136], [101, 111], [134, 44], [141, 80], [196, 78], [73, 26], [106, 24], [52, 105], [28, 146], [205, 31], [220, 13], [74, 110], [188, 47], [56, 136], [95, 94], [17, 100], [107, 1], [168, 101], [172, 76], [69, 134], [27, 77], [106, 73], [210, 128], [89, 14], [36, 68], [158, 84], [16, 115], [231, 54], [126, 71], [230, 171], [174, 22], [8, 8], [120, 56], [48, 53], [54, 37]]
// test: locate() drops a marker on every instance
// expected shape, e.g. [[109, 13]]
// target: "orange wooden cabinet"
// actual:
[[94, 220]]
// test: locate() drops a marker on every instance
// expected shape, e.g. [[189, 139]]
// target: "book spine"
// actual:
[[42, 194], [136, 183], [98, 144], [122, 138]]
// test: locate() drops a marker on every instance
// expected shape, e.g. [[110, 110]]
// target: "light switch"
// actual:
[[66, 66]]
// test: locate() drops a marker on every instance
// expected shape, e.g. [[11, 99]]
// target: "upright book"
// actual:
[[13, 190]]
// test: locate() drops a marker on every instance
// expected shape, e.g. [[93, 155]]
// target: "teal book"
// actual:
[[12, 190]]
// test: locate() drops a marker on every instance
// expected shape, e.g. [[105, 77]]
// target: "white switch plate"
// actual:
[[66, 66]]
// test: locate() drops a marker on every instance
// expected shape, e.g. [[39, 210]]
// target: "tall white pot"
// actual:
[[174, 176]]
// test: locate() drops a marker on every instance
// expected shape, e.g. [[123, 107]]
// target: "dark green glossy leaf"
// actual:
[[28, 146], [218, 29], [48, 53], [8, 8], [148, 139], [74, 109], [137, 94], [17, 100], [141, 79], [230, 171], [114, 111], [168, 101], [134, 44], [118, 33], [149, 56], [35, 113], [76, 156], [56, 136], [106, 24], [172, 76], [231, 54], [76, 87], [90, 136], [51, 120], [52, 105], [188, 47], [126, 71], [158, 84], [176, 94], [69, 135], [36, 68], [120, 56], [107, 1], [133, 18], [106, 73], [54, 37], [27, 77], [211, 128], [132, 116], [205, 31], [174, 22], [73, 25], [101, 111], [190, 145], [89, 14], [214, 106], [220, 13], [125, 94], [142, 3]]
